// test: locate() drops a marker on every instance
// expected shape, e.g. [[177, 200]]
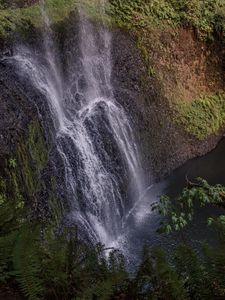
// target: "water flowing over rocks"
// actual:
[[92, 137], [101, 120]]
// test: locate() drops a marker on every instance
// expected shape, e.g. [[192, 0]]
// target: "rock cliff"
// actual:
[[182, 69]]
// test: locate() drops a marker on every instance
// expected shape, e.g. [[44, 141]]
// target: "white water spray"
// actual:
[[93, 182]]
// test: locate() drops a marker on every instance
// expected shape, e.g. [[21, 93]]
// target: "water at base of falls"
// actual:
[[93, 134]]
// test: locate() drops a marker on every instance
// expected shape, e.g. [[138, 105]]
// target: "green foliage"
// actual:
[[181, 211], [139, 13], [193, 273], [69, 268], [13, 19], [183, 274], [27, 266], [215, 266], [7, 243], [219, 224], [11, 216], [59, 266], [47, 265], [203, 276], [207, 16], [202, 116], [32, 157], [157, 278], [12, 163]]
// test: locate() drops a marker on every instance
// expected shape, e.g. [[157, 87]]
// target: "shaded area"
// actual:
[[212, 168]]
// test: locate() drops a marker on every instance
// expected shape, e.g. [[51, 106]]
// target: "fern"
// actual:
[[27, 264], [6, 249], [215, 266], [192, 272]]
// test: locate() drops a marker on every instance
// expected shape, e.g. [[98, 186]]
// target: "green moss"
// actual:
[[37, 146], [22, 18], [12, 19], [203, 116], [60, 9], [11, 198], [131, 14], [21, 177], [32, 157]]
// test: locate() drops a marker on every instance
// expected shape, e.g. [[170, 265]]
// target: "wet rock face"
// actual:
[[23, 138], [15, 110], [163, 145], [18, 3]]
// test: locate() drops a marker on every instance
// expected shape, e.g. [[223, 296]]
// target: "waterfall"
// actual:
[[93, 133]]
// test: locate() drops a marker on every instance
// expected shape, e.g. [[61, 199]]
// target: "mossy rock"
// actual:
[[32, 156], [14, 18], [203, 116]]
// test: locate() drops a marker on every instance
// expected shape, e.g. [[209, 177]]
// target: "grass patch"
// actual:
[[202, 116]]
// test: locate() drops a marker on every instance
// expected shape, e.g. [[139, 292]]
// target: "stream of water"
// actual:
[[93, 134], [102, 175]]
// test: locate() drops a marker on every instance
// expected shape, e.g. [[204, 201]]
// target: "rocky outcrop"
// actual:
[[25, 142], [27, 138], [164, 144]]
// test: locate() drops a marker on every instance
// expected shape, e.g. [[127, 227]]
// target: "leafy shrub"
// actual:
[[180, 212]]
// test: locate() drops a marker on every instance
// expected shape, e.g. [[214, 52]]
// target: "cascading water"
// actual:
[[94, 136]]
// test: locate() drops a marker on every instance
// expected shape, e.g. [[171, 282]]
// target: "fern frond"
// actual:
[[27, 264], [6, 249]]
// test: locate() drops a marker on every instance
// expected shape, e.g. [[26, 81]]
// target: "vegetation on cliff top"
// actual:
[[204, 113], [207, 16], [14, 18]]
